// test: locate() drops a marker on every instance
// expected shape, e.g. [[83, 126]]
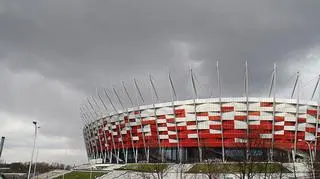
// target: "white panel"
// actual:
[[164, 111], [309, 136], [240, 125], [192, 136], [210, 113], [254, 122], [302, 127], [238, 113], [207, 107], [214, 122], [161, 121], [171, 124], [173, 141], [147, 112], [203, 125], [162, 128], [190, 117], [281, 123], [191, 127], [163, 136], [266, 109], [180, 119], [240, 106], [189, 108], [202, 118], [231, 104], [266, 136], [290, 117], [240, 140], [281, 132], [212, 131], [289, 128], [254, 117], [254, 106], [181, 123], [172, 133], [311, 119], [228, 115]]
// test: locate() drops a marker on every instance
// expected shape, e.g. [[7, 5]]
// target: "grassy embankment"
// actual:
[[81, 175], [236, 168], [142, 167]]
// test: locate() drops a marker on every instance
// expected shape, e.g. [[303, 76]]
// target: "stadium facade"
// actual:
[[196, 130], [184, 130]]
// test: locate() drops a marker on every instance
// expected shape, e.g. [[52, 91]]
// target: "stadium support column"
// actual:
[[273, 87], [297, 84], [127, 113], [118, 120], [87, 130], [142, 130], [91, 125], [135, 153], [246, 88], [195, 96], [85, 137], [173, 98], [102, 128], [155, 97], [97, 128], [112, 139], [317, 117], [220, 107]]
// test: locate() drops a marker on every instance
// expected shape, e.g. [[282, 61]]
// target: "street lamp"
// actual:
[[37, 154], [311, 157], [34, 144]]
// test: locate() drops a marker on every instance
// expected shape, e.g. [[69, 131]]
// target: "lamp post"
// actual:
[[34, 144], [311, 157], [37, 154]]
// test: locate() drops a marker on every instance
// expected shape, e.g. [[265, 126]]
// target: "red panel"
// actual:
[[180, 113], [302, 120], [202, 114], [240, 118], [254, 113], [312, 112], [266, 104], [227, 109], [214, 118]]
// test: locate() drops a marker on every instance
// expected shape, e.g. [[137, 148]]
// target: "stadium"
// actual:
[[197, 130]]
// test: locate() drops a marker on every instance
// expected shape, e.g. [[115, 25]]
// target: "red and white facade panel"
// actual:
[[206, 122]]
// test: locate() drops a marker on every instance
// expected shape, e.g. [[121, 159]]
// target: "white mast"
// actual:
[[246, 87], [110, 131], [317, 120], [220, 106], [127, 113], [118, 119], [155, 95], [142, 131], [102, 128], [173, 98], [195, 96], [297, 84], [273, 86], [97, 131]]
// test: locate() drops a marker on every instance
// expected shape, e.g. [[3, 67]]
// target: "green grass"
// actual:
[[237, 168], [81, 175], [142, 167]]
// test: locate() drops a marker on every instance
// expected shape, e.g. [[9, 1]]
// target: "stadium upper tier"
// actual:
[[224, 124]]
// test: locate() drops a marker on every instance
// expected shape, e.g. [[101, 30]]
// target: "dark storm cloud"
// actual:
[[69, 48]]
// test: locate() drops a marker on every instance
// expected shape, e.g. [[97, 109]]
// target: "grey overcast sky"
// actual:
[[53, 54]]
